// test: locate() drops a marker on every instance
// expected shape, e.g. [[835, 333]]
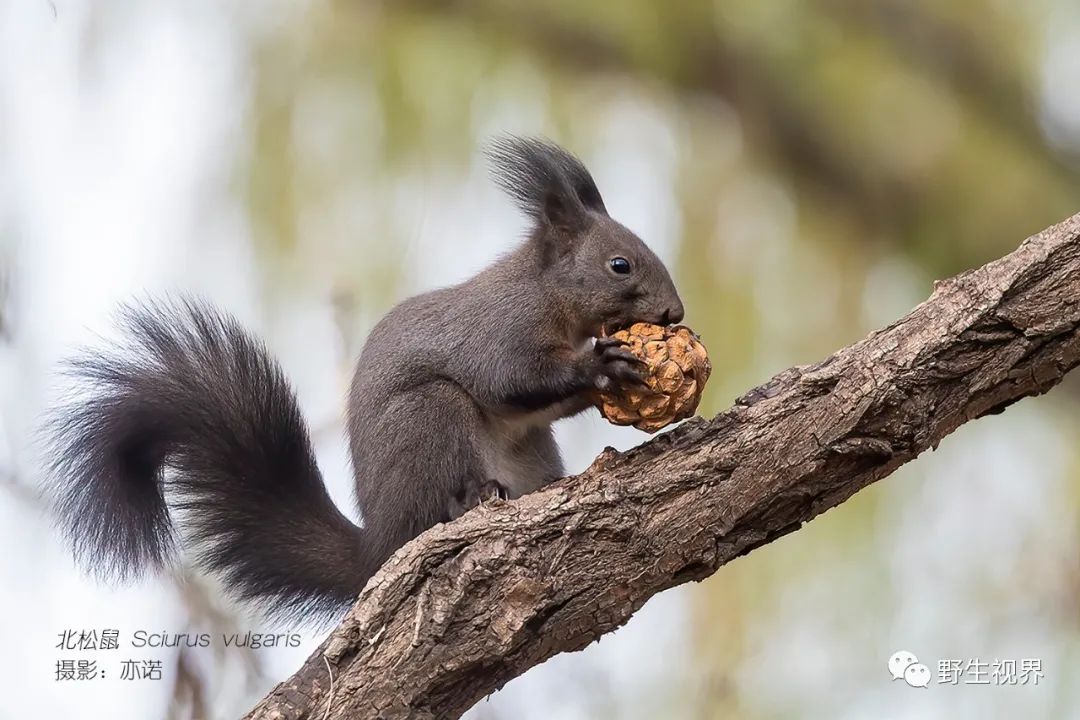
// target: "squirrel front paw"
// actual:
[[612, 363]]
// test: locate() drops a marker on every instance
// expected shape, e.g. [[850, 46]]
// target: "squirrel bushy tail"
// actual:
[[196, 406]]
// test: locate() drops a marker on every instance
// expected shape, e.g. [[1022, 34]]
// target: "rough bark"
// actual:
[[469, 605]]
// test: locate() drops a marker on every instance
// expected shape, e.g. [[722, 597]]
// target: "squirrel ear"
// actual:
[[564, 212], [546, 181], [587, 191]]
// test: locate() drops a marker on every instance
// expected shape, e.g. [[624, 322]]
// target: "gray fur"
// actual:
[[453, 398]]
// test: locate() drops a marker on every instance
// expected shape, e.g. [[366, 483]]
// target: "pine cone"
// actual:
[[676, 368]]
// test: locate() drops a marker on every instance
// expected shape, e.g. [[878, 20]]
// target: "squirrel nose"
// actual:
[[672, 315]]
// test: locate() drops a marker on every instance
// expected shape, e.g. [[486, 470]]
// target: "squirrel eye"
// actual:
[[620, 265]]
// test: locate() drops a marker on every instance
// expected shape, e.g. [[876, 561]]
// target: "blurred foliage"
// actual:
[[830, 158]]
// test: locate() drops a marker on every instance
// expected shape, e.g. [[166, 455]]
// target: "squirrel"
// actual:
[[451, 403]]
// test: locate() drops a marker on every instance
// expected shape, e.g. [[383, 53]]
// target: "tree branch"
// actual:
[[469, 605]]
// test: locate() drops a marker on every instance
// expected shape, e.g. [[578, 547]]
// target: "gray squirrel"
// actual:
[[452, 402]]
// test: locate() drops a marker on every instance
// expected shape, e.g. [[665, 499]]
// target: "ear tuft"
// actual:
[[548, 183]]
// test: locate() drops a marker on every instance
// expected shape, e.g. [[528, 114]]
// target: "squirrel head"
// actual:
[[609, 277]]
